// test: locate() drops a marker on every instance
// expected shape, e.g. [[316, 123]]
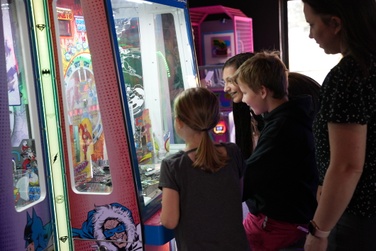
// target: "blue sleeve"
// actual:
[[87, 228]]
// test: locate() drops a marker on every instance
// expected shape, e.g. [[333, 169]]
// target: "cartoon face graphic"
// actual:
[[113, 223], [36, 235], [116, 231]]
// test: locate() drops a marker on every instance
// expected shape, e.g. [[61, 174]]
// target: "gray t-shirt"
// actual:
[[210, 203]]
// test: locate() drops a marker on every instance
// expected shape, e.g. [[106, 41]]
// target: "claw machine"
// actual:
[[120, 63], [159, 32], [32, 206]]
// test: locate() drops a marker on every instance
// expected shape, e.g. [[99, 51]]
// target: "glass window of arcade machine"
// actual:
[[28, 170], [157, 64], [88, 161]]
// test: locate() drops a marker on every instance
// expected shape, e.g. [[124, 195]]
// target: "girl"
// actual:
[[202, 184]]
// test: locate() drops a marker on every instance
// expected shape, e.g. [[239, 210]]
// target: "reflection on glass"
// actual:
[[28, 173], [129, 41], [89, 165]]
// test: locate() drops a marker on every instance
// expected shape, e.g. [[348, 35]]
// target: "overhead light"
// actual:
[[139, 1]]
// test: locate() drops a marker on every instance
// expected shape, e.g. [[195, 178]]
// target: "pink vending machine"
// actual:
[[220, 32]]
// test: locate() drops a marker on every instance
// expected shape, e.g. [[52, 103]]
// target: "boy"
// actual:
[[281, 178]]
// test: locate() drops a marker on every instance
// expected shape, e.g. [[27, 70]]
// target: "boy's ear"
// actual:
[[264, 91]]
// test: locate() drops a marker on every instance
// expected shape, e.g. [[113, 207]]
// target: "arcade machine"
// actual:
[[220, 33], [121, 64], [31, 169], [224, 131]]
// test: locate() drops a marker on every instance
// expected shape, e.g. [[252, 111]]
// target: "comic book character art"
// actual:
[[26, 174], [24, 146], [37, 236], [113, 227], [85, 138], [29, 161]]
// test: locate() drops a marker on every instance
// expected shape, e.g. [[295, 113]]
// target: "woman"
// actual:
[[247, 125], [345, 127]]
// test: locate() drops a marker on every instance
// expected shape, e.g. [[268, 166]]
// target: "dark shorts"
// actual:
[[353, 233]]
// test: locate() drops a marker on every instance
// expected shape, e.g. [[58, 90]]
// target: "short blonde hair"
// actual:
[[264, 69]]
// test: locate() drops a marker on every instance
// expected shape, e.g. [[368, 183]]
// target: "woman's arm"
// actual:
[[170, 208], [318, 193], [347, 156]]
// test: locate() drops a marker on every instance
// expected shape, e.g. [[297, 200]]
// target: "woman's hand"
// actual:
[[315, 243]]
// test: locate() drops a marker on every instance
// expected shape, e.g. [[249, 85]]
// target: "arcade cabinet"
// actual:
[[220, 32], [122, 63]]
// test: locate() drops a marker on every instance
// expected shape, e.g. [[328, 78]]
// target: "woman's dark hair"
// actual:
[[237, 60], [358, 25], [241, 111], [300, 84]]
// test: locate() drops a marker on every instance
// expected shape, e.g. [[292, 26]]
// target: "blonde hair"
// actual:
[[264, 69], [198, 108]]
